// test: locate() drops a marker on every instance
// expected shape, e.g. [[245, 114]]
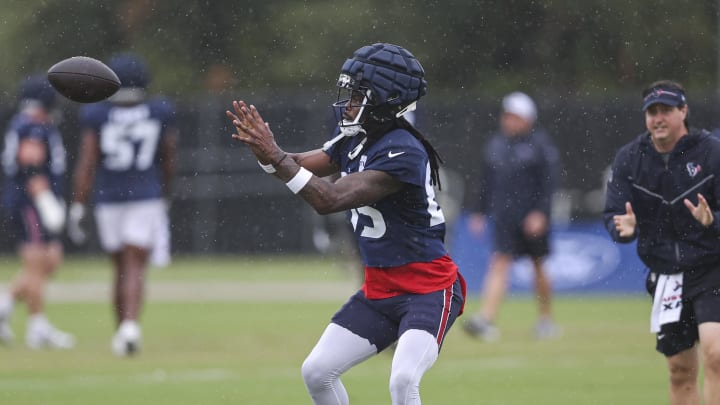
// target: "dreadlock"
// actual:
[[434, 157]]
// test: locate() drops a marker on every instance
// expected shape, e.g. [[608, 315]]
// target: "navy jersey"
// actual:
[[404, 227], [22, 127], [130, 137]]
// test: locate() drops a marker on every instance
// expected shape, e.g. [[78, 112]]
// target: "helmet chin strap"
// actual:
[[359, 129], [356, 150], [344, 131], [350, 128]]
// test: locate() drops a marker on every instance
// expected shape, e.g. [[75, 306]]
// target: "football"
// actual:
[[83, 79]]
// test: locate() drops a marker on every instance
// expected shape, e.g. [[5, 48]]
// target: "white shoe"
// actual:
[[6, 334], [41, 335], [480, 327], [126, 341], [546, 329]]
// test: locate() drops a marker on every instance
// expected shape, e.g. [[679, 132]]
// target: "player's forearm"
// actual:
[[314, 190], [351, 191]]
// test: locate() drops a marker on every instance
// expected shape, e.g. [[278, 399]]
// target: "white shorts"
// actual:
[[142, 223]]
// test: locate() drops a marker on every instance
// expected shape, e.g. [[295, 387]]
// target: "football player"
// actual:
[[127, 156], [412, 292], [34, 164]]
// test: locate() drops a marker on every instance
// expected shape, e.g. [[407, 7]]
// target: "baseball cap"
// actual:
[[520, 104], [664, 95]]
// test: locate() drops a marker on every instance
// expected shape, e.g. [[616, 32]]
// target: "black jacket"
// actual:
[[520, 174], [670, 239]]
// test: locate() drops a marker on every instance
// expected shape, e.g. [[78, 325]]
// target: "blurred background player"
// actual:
[[519, 177], [34, 165], [127, 153]]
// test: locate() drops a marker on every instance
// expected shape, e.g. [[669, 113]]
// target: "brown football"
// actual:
[[83, 79]]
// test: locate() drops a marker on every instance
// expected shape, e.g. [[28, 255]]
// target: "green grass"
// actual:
[[245, 352], [203, 268]]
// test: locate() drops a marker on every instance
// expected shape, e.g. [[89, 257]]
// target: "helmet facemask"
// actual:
[[352, 95], [370, 115]]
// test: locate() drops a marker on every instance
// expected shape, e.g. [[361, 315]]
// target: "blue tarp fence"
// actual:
[[583, 259]]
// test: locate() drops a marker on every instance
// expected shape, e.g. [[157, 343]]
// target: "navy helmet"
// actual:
[[130, 69], [390, 77], [134, 78], [37, 88]]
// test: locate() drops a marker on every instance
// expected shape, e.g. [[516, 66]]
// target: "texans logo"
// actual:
[[693, 169]]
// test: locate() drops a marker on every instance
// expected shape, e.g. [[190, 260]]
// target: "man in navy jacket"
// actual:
[[664, 191], [520, 174]]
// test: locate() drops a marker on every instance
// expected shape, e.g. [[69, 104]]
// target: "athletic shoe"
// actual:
[[42, 335], [547, 329], [126, 341], [480, 327], [6, 334]]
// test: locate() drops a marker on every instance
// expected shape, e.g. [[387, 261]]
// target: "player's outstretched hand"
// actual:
[[253, 131], [702, 211], [625, 223]]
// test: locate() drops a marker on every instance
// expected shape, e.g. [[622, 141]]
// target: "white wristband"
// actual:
[[76, 211], [300, 180], [270, 169], [51, 210]]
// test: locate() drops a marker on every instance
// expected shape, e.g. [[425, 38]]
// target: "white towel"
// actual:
[[667, 302]]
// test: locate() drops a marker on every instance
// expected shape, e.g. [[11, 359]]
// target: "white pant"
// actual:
[[339, 349], [142, 223]]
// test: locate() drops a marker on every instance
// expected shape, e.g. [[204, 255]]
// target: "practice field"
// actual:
[[236, 330]]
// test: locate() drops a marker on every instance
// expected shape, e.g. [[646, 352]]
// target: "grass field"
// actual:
[[224, 349]]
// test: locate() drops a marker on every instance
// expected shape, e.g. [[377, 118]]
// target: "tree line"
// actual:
[[478, 47]]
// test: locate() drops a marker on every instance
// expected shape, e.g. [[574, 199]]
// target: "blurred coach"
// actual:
[[519, 177]]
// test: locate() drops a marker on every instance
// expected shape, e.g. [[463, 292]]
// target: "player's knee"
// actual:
[[681, 375], [404, 386], [711, 359], [316, 374]]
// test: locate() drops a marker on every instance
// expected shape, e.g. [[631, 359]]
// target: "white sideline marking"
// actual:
[[194, 291], [155, 377], [520, 362]]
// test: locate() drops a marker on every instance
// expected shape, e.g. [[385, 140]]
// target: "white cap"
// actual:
[[520, 104]]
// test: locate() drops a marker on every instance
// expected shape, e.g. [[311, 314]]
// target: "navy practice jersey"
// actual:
[[22, 127], [130, 137], [407, 226]]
